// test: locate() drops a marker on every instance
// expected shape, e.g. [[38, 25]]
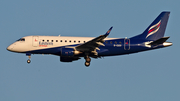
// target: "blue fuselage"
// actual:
[[111, 48]]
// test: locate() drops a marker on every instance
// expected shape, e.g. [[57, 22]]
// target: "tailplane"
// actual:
[[159, 41], [156, 29]]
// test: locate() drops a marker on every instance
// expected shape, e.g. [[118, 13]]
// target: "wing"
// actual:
[[92, 45]]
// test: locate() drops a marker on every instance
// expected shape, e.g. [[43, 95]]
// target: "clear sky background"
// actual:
[[146, 76]]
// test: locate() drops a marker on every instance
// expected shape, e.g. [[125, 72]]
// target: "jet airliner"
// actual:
[[73, 48]]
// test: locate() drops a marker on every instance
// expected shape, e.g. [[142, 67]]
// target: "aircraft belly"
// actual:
[[110, 51], [54, 50]]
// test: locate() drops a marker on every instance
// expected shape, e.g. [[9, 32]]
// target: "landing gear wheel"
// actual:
[[88, 59], [28, 61], [87, 64], [29, 56]]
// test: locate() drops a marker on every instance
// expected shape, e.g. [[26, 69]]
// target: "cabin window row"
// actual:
[[64, 41], [112, 42], [83, 41]]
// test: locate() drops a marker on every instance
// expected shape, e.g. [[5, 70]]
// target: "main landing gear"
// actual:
[[88, 60]]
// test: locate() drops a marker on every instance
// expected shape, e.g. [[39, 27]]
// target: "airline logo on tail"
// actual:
[[153, 29]]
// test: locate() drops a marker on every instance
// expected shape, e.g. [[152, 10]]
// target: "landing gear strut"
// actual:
[[88, 60], [29, 61]]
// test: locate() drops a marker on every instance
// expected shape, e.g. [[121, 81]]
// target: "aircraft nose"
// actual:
[[10, 47]]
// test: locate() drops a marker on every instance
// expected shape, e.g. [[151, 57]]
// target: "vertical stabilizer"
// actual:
[[156, 29]]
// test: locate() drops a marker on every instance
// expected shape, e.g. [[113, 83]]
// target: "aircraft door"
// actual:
[[126, 44], [35, 41]]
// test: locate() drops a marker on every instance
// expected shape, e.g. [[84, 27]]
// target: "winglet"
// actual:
[[107, 33]]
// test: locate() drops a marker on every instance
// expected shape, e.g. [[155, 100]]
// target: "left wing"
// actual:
[[93, 44]]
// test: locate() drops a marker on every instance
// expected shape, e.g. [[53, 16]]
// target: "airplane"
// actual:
[[74, 48]]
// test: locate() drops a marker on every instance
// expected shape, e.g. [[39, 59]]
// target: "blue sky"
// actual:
[[146, 76]]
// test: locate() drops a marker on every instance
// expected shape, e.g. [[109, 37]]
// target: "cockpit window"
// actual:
[[22, 39]]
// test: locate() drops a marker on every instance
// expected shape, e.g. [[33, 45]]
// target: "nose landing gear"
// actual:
[[29, 56], [28, 61]]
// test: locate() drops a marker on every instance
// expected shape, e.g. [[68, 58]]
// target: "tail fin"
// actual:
[[156, 29]]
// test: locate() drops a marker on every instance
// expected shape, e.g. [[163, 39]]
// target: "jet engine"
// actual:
[[69, 52], [68, 59]]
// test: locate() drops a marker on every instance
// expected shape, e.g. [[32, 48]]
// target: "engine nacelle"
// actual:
[[68, 59], [69, 52]]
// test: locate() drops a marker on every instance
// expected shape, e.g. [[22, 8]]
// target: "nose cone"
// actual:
[[10, 47]]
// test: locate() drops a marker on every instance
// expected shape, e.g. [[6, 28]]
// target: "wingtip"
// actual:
[[111, 28], [107, 33]]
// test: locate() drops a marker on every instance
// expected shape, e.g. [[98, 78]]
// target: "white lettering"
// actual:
[[117, 45]]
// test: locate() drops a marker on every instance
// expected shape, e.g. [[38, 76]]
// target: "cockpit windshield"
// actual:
[[21, 39]]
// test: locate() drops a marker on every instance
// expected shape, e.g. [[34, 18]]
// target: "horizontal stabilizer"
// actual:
[[159, 41]]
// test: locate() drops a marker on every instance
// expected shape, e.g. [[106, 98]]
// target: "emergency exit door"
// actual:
[[126, 44]]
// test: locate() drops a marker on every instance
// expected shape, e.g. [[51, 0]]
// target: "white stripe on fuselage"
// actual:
[[28, 44]]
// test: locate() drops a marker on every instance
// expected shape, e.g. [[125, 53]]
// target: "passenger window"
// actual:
[[79, 41], [119, 42], [61, 41], [74, 41], [51, 40], [70, 41], [65, 40], [84, 41], [43, 40], [111, 42], [56, 40], [47, 40], [115, 42], [106, 41]]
